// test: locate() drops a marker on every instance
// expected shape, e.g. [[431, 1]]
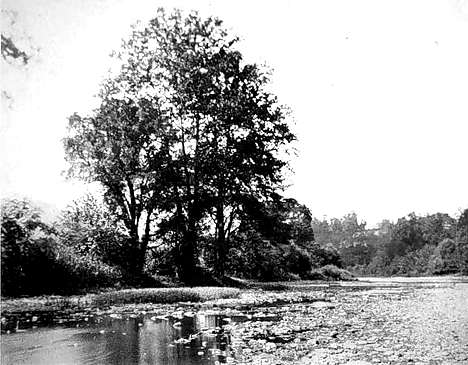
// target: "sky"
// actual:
[[378, 91]]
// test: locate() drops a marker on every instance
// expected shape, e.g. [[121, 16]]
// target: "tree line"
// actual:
[[88, 247], [413, 245]]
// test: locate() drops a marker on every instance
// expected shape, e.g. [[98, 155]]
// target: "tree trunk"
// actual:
[[187, 257], [142, 247], [220, 241], [134, 249]]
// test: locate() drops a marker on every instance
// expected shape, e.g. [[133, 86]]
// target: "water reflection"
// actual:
[[194, 339]]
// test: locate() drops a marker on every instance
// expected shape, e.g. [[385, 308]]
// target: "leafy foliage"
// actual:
[[186, 131], [330, 272], [414, 245], [24, 235], [251, 256], [92, 230], [275, 241], [462, 241], [35, 262]]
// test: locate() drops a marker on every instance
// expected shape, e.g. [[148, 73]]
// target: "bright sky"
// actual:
[[378, 90]]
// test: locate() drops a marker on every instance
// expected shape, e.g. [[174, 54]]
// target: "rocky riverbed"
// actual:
[[384, 321], [398, 323]]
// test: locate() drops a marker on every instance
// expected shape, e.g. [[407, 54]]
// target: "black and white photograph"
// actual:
[[212, 182]]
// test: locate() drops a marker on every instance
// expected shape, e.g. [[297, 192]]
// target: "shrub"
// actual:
[[91, 229], [25, 244], [322, 256], [446, 257], [34, 262], [298, 261], [82, 271], [253, 257], [330, 272]]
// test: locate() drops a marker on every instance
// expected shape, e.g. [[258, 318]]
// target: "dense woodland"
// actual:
[[190, 150], [413, 245]]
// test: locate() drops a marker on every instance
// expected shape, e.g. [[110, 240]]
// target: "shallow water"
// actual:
[[201, 337], [107, 340]]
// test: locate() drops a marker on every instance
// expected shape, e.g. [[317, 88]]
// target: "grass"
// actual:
[[330, 272], [76, 303], [164, 295], [118, 297]]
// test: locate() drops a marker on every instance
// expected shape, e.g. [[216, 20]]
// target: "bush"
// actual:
[[446, 257], [322, 256], [91, 229], [34, 262], [330, 272], [26, 246], [252, 257], [82, 272], [298, 261]]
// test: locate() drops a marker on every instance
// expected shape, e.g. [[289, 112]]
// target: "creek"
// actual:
[[349, 322]]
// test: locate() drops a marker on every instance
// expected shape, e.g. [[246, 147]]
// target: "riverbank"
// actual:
[[23, 313], [391, 321], [52, 306], [54, 303]]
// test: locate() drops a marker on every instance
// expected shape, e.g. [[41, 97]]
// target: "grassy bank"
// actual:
[[119, 297], [67, 304]]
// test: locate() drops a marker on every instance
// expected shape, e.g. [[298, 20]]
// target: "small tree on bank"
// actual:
[[185, 134], [91, 230]]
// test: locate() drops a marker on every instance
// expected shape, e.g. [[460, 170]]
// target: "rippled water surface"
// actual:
[[205, 337], [107, 340]]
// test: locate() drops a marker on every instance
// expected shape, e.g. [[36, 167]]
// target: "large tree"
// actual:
[[186, 133], [123, 146]]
